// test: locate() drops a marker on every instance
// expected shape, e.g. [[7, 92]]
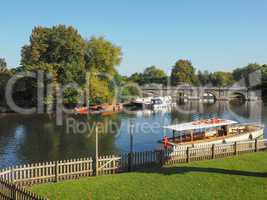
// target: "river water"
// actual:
[[38, 137]]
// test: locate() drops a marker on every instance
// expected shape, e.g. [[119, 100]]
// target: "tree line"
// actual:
[[183, 72], [63, 53]]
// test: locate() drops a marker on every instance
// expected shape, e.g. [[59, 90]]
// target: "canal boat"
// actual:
[[211, 131]]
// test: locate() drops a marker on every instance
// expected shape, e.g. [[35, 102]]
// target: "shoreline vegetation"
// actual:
[[242, 177], [66, 57]]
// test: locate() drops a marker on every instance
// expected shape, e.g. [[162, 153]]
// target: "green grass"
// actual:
[[242, 177]]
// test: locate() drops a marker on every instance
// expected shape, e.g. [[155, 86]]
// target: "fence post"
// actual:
[[12, 174], [188, 154], [96, 151], [235, 148], [161, 157], [213, 151], [130, 161], [256, 145], [56, 171], [14, 192]]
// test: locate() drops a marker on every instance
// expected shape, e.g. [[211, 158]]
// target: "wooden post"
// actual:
[[56, 171], [12, 175], [256, 145], [235, 148], [161, 157], [96, 150], [213, 151], [188, 154], [14, 192], [130, 161]]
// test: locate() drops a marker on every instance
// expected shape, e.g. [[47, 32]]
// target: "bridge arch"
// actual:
[[236, 95], [212, 93], [209, 96]]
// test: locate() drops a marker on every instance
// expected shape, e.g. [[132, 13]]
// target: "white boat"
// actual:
[[162, 103], [154, 103], [211, 131], [143, 102]]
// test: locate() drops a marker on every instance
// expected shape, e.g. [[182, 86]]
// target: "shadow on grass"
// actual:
[[183, 170]]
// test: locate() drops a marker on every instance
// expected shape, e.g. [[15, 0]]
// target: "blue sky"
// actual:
[[214, 35]]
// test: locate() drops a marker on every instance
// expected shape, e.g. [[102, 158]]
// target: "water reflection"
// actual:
[[35, 138]]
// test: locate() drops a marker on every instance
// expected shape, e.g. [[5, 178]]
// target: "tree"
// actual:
[[99, 91], [221, 79], [102, 56], [5, 75], [58, 50], [154, 75], [254, 77], [264, 81], [150, 75], [183, 72], [137, 78], [203, 78], [3, 65], [245, 72], [129, 92]]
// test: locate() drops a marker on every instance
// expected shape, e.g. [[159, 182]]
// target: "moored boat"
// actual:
[[161, 103], [143, 103], [81, 110], [154, 103], [211, 131], [103, 109]]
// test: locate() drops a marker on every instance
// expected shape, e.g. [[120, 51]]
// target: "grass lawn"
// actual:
[[242, 177]]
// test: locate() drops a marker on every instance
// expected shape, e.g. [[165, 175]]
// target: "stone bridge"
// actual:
[[197, 93]]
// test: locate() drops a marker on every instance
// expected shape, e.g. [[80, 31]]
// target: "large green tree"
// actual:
[[99, 90], [137, 78], [101, 59], [102, 56], [246, 72], [150, 75], [183, 72], [59, 50], [203, 78], [254, 76], [154, 75], [221, 79]]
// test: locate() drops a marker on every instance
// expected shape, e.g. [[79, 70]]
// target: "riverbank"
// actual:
[[242, 177]]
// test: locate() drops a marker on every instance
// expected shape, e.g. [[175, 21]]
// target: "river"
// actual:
[[37, 137]]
